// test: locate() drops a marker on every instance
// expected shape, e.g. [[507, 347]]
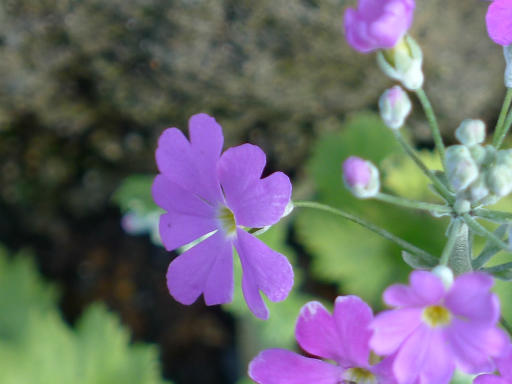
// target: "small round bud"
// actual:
[[499, 179], [462, 206], [478, 153], [479, 189], [507, 51], [445, 274], [471, 132], [461, 169], [395, 106], [361, 177], [504, 157], [403, 63]]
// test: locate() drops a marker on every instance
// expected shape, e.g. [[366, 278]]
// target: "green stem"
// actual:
[[503, 113], [482, 231], [372, 227], [504, 131], [452, 240], [431, 117], [495, 216], [498, 268], [396, 200], [443, 190]]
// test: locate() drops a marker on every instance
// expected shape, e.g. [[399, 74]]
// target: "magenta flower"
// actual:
[[378, 24], [499, 22], [206, 193], [341, 337], [504, 364], [434, 329]]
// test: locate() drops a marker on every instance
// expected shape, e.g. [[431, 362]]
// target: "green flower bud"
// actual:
[[479, 189], [403, 63], [499, 179], [461, 169], [471, 132]]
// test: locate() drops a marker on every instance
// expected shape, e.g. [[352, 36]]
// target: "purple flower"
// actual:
[[378, 24], [206, 193], [341, 337], [434, 329], [499, 22], [504, 364], [361, 177]]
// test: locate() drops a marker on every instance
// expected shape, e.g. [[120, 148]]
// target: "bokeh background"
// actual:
[[86, 88]]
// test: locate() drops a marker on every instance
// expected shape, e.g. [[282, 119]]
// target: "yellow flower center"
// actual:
[[436, 316], [226, 220], [358, 376]]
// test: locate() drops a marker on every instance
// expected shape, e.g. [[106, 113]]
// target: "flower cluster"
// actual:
[[434, 328]]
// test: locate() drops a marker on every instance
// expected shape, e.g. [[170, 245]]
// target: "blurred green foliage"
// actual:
[[37, 346]]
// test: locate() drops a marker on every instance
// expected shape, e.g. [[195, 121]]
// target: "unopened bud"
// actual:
[[445, 274], [461, 169], [479, 189], [395, 106], [403, 63], [499, 179], [478, 153], [504, 157], [361, 177], [462, 206], [471, 132]]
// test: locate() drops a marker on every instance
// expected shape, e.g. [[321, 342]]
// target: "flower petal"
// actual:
[[177, 229], [473, 345], [353, 317], [424, 356], [205, 268], [471, 298], [504, 363], [263, 269], [264, 202], [425, 289], [391, 328], [179, 163], [278, 366], [316, 332], [489, 379], [499, 22]]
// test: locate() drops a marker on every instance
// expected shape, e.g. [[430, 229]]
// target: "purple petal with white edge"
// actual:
[[205, 268], [264, 202], [177, 229], [391, 328], [238, 169], [263, 269], [473, 345], [353, 317], [279, 366], [425, 289], [177, 161], [490, 379], [471, 298], [207, 140], [316, 332], [499, 22], [424, 356], [504, 363]]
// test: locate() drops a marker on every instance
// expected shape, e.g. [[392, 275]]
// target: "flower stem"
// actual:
[[443, 190], [449, 248], [396, 200], [431, 117], [495, 216], [499, 132], [372, 227], [482, 231]]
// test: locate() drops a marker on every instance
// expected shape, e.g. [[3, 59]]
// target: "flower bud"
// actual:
[[403, 63], [445, 274], [461, 169], [361, 177], [507, 51], [471, 132], [479, 189], [504, 157], [395, 106], [499, 179]]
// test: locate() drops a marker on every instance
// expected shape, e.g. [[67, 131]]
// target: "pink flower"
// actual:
[[504, 364], [378, 24], [341, 337], [499, 22], [205, 193], [434, 329]]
